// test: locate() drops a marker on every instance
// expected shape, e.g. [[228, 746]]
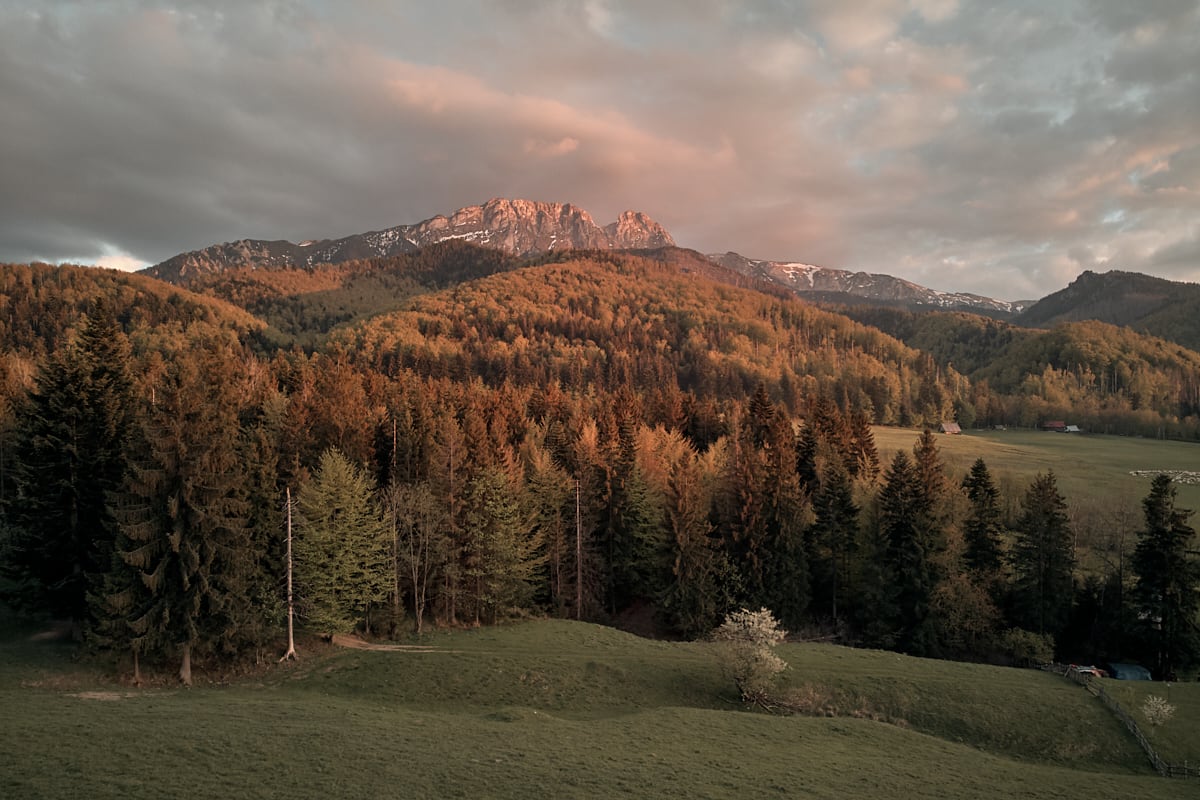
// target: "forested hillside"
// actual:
[[1159, 307], [611, 437], [303, 305], [1100, 376]]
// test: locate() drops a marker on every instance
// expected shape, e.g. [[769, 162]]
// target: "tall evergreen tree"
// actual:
[[832, 539], [638, 559], [183, 519], [787, 512], [910, 541], [866, 456], [1043, 560], [72, 437], [504, 555], [342, 548], [982, 528], [550, 503], [931, 473], [1167, 593], [703, 584]]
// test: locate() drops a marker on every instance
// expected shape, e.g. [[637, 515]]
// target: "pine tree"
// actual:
[[741, 512], [72, 437], [866, 456], [1167, 593], [931, 474], [1043, 560], [342, 547]]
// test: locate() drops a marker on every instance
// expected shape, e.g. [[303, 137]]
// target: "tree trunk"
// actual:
[[291, 608], [137, 669], [185, 665]]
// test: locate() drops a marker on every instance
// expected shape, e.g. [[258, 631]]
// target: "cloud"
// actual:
[[966, 145]]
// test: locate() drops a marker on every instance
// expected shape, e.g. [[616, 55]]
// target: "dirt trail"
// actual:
[[353, 642]]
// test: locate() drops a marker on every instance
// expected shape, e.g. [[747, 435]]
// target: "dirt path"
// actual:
[[353, 642]]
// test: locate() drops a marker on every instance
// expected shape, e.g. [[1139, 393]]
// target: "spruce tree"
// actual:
[[550, 503], [1167, 593], [72, 436], [342, 547], [787, 512], [703, 584], [183, 519], [982, 528], [832, 540], [1043, 560], [638, 555], [910, 541], [503, 555]]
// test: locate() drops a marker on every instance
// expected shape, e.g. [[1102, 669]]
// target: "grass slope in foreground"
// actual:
[[560, 709]]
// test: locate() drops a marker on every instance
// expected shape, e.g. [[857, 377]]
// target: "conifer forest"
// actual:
[[467, 438]]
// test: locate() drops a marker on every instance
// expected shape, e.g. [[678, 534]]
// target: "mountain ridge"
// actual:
[[1144, 303], [518, 227], [808, 279]]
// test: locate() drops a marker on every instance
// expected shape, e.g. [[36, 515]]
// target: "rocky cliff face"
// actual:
[[520, 227]]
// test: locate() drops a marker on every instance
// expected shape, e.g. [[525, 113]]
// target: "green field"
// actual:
[[552, 708], [1089, 468]]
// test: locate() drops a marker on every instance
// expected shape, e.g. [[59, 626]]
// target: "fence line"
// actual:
[[1089, 682]]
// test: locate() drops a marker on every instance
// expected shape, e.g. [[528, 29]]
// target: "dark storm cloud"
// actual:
[[996, 148]]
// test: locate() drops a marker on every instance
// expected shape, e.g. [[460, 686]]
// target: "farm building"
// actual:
[[951, 427], [1054, 425]]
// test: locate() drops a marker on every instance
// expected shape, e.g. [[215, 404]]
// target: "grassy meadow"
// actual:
[[1093, 473], [563, 709], [1088, 467]]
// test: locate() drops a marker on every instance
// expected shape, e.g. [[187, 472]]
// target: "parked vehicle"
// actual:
[[1090, 669], [1129, 672]]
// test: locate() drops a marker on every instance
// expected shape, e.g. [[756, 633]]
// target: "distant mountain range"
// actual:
[[839, 285], [528, 229]]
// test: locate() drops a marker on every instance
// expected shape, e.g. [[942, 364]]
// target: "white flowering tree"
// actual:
[[748, 640], [1157, 711]]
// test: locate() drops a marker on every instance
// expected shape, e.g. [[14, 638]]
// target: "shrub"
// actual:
[[748, 639], [1157, 710], [1026, 648]]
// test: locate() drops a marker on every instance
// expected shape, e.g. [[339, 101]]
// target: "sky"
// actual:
[[999, 148]]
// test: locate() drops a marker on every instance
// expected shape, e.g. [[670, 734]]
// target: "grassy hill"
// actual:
[[561, 708]]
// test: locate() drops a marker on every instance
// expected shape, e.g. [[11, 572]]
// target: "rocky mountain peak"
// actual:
[[519, 227], [634, 230]]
